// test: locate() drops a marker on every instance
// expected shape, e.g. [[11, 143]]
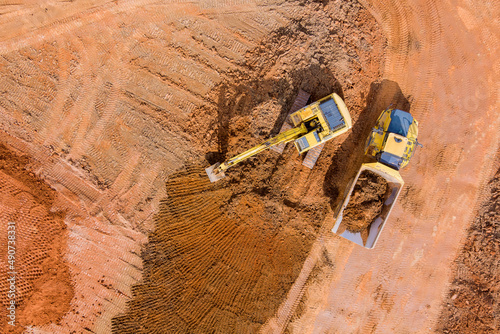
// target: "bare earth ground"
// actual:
[[106, 102], [435, 50], [473, 302], [42, 283]]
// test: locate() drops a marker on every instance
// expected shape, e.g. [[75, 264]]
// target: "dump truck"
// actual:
[[370, 196], [312, 125]]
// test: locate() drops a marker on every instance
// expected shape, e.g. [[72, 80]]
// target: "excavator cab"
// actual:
[[393, 139], [324, 119]]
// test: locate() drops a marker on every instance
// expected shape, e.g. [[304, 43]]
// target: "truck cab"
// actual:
[[391, 142], [393, 139]]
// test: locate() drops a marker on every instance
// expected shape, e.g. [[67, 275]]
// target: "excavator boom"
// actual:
[[216, 171], [313, 124]]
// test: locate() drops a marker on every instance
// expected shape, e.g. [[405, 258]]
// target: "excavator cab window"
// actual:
[[313, 124], [302, 143]]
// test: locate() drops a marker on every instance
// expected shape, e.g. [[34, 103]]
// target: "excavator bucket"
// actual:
[[312, 126], [213, 175]]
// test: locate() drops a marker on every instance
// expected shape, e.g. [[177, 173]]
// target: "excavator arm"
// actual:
[[216, 172], [314, 124]]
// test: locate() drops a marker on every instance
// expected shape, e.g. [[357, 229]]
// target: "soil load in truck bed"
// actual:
[[366, 201]]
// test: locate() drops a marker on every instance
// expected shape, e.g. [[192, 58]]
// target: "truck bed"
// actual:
[[368, 238]]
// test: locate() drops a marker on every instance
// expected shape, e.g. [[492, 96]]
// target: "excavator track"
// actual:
[[312, 156]]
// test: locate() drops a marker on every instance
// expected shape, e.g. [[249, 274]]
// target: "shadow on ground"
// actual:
[[235, 101], [349, 157]]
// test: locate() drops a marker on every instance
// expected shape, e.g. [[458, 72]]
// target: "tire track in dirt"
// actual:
[[38, 24], [473, 301], [435, 58], [43, 289], [62, 175], [100, 190], [111, 196], [237, 102], [99, 218]]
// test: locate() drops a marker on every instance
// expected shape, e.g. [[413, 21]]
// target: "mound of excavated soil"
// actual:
[[219, 260], [42, 279], [366, 201], [208, 270], [223, 256]]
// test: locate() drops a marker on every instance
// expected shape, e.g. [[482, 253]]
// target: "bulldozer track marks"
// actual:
[[214, 267], [428, 51], [26, 204]]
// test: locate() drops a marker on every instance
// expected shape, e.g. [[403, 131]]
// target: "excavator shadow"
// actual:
[[235, 101], [347, 159]]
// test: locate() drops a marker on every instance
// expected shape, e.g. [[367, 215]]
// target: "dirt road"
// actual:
[[443, 55], [105, 100]]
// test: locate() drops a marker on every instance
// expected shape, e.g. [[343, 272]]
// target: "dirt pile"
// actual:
[[121, 98], [117, 95], [366, 201], [42, 279], [317, 52], [473, 302], [206, 270]]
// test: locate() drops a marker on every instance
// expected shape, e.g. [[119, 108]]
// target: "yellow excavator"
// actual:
[[313, 125]]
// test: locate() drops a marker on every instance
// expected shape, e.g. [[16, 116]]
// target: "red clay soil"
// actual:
[[366, 201], [211, 271], [228, 257], [473, 302], [121, 94], [398, 287], [109, 98], [223, 256], [42, 278]]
